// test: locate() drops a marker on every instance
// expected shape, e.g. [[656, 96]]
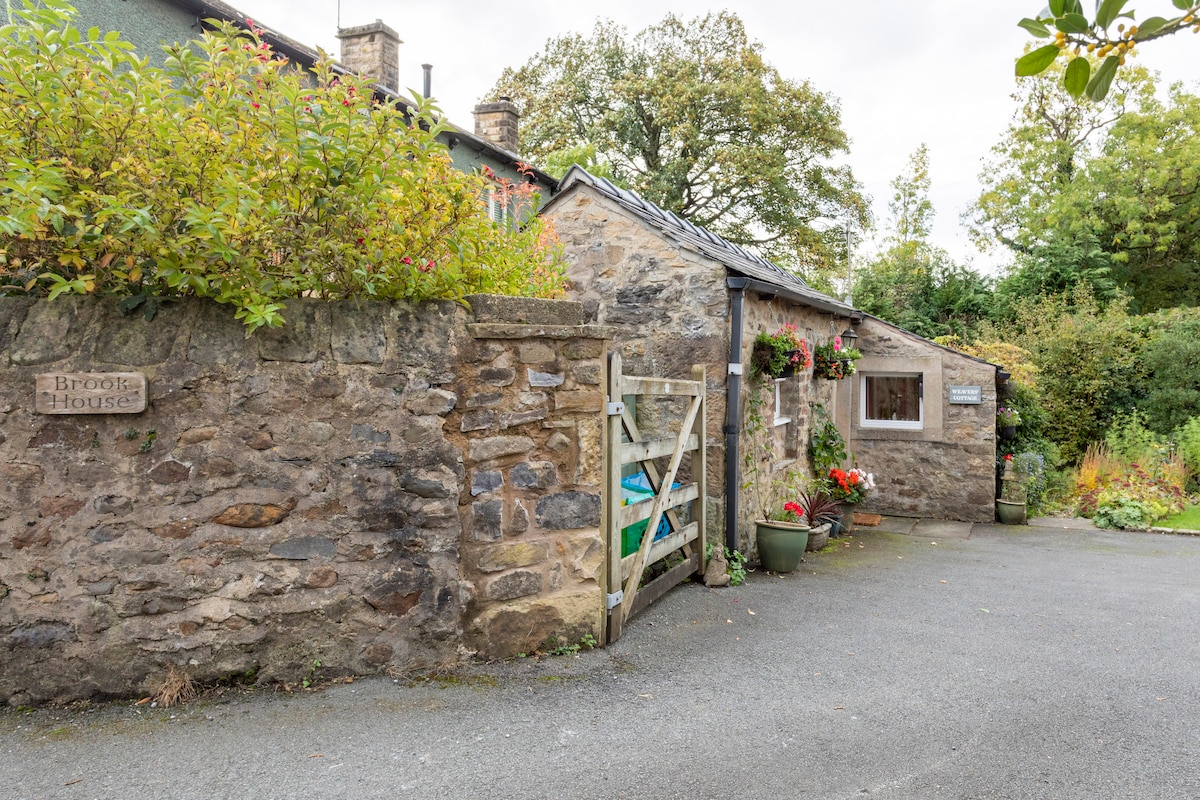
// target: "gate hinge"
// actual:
[[613, 600], [615, 409]]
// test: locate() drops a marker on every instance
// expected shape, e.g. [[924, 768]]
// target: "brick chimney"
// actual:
[[372, 51], [497, 122]]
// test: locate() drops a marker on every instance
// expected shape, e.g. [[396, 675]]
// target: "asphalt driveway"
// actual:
[[1016, 663]]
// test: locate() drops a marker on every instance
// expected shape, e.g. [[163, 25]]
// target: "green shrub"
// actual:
[[1187, 444], [1130, 439], [1119, 511], [230, 174], [1173, 359], [1089, 365]]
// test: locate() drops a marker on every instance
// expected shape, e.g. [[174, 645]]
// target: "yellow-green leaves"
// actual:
[[1097, 87], [1075, 80], [1036, 61], [1108, 11], [230, 174]]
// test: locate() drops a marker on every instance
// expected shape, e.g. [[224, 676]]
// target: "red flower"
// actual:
[[406, 260]]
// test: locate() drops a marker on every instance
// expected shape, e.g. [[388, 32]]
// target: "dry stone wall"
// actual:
[[372, 487]]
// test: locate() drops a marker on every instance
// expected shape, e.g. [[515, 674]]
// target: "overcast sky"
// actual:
[[932, 71]]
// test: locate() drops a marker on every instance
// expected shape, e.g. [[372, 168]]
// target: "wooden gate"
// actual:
[[680, 543]]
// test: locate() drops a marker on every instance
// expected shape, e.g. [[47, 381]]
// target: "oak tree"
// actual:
[[691, 116]]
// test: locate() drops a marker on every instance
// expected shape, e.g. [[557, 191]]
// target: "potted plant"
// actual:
[[1007, 420], [822, 513], [848, 488], [782, 537], [834, 362], [780, 354], [1010, 506]]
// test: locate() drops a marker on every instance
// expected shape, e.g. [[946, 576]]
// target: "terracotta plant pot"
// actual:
[[780, 544]]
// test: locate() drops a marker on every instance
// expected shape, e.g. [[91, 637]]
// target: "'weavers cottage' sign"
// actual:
[[90, 393]]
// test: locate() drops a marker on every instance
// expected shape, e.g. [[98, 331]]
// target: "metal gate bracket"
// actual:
[[611, 601], [615, 410]]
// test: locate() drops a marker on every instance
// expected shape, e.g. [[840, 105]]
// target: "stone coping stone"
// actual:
[[1180, 531], [525, 310], [496, 330]]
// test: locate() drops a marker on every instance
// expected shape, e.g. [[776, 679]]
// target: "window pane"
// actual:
[[893, 398]]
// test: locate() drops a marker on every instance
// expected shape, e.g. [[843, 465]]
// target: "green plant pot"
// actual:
[[780, 544], [1010, 512]]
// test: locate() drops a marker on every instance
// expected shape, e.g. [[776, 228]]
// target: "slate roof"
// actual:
[[734, 257]]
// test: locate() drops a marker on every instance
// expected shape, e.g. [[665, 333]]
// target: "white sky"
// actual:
[[934, 71]]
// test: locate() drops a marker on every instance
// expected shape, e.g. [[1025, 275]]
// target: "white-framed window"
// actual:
[[496, 208], [892, 400], [781, 418]]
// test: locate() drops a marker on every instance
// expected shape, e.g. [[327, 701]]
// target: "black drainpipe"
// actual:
[[733, 409]]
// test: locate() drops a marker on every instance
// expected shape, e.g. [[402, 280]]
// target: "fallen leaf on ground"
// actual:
[[943, 581], [751, 613], [984, 610], [317, 755]]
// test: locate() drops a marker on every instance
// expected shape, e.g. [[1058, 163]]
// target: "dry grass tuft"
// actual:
[[178, 687], [1098, 467]]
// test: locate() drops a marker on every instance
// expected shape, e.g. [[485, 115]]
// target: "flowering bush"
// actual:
[[1007, 416], [832, 361], [230, 174], [849, 486], [1133, 499], [775, 352]]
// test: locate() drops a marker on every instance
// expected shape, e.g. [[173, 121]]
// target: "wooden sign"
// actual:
[[90, 393], [966, 395]]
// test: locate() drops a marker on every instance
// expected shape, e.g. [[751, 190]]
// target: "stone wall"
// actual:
[[798, 395], [667, 307], [947, 469], [372, 487]]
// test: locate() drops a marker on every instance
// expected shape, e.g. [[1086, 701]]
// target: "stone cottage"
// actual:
[[678, 295]]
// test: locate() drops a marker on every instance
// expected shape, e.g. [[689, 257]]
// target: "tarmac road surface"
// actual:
[[1016, 663]]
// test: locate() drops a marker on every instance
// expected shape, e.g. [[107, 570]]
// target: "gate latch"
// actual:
[[613, 600], [615, 410]]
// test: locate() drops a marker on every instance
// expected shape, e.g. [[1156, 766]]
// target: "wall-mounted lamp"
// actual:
[[849, 339]]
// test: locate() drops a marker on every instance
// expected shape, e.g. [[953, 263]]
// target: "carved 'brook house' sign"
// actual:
[[90, 393]]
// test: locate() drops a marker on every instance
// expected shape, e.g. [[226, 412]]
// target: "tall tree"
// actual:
[[1050, 139], [1099, 192], [913, 283], [912, 212], [691, 116]]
